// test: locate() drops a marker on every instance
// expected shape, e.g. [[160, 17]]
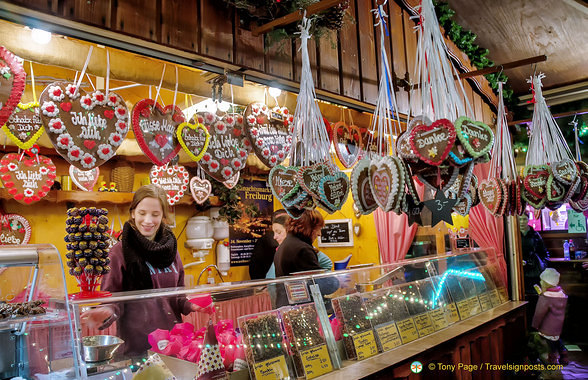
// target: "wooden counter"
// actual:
[[479, 339]]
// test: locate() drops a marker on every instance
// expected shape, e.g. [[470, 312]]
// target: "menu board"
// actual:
[[336, 233]]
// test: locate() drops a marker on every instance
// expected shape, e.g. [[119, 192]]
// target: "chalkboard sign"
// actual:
[[336, 233]]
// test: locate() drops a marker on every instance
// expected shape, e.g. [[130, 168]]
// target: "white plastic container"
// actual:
[[199, 227], [223, 257], [220, 227]]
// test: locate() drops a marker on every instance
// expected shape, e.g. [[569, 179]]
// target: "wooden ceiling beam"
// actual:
[[504, 66], [295, 16]]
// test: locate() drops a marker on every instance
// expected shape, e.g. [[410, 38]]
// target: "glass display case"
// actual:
[[294, 327], [36, 336]]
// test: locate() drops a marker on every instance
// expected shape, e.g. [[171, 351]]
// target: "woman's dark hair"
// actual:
[[150, 191], [310, 221], [280, 219]]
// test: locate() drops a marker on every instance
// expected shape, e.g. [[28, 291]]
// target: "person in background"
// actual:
[[534, 261], [264, 250], [548, 319], [296, 253], [279, 228], [145, 258]]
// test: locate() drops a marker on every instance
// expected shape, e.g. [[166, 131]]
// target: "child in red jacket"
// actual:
[[549, 318]]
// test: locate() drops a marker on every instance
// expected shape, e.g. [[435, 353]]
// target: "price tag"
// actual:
[[503, 294], [388, 336], [464, 308], [272, 369], [452, 314], [297, 292], [365, 344], [485, 301], [439, 319], [495, 298], [407, 329], [424, 324], [316, 361], [475, 307]]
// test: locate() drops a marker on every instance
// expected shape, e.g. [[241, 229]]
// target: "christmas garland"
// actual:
[[464, 40]]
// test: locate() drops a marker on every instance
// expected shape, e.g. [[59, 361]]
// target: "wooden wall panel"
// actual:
[[489, 118], [178, 20], [478, 107], [349, 71], [92, 12], [311, 56], [278, 60], [410, 48], [216, 31], [47, 6], [138, 18], [398, 62], [249, 50], [328, 62], [367, 53]]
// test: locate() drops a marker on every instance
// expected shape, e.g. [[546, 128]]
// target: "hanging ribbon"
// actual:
[[33, 83], [77, 89], [160, 82], [107, 72], [176, 88]]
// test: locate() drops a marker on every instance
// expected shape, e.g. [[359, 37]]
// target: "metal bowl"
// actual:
[[99, 348]]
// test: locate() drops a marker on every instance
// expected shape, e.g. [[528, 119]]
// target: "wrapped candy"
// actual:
[[69, 254], [92, 244], [78, 271], [72, 211], [78, 254], [77, 236], [82, 228], [83, 245], [69, 221], [82, 262], [94, 261], [89, 269], [88, 236], [103, 211], [92, 211], [101, 227], [71, 263], [88, 253], [106, 269], [77, 219], [71, 229], [93, 227], [98, 270], [103, 220]]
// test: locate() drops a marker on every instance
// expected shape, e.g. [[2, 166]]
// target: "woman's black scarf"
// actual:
[[138, 250]]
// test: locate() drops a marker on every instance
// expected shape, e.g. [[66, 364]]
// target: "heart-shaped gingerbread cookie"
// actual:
[[565, 171], [200, 189], [476, 137], [233, 181], [86, 129], [84, 179], [309, 177], [361, 190], [535, 180], [27, 180], [282, 181], [174, 179], [333, 191], [12, 83], [270, 131], [384, 182], [432, 143], [155, 130], [24, 126], [14, 230], [348, 143], [225, 155], [490, 193], [194, 139]]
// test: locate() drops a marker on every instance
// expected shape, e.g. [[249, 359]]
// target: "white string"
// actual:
[[176, 89], [107, 72], [150, 93], [160, 82], [502, 163], [574, 123], [90, 80], [83, 71]]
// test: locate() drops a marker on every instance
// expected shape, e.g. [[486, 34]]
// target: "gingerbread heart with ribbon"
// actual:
[[361, 189], [27, 180], [309, 177], [348, 143], [432, 143], [174, 179], [24, 126], [14, 230], [282, 181], [194, 139], [384, 182], [86, 129], [565, 171], [233, 181], [490, 193], [270, 132], [155, 130], [12, 83], [84, 179], [333, 191], [476, 137], [535, 180], [225, 156], [200, 189]]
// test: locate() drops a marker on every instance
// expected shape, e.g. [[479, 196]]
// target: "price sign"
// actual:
[[451, 312], [503, 294], [464, 308], [272, 369], [439, 319], [495, 298], [485, 301], [316, 361], [365, 345], [407, 329], [475, 307], [424, 324], [388, 336]]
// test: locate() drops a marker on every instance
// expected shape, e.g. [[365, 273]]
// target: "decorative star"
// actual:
[[441, 208], [433, 151], [413, 211]]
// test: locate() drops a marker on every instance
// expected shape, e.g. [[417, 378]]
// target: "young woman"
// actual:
[[145, 258]]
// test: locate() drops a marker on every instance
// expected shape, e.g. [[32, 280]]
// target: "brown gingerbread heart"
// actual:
[[27, 180], [174, 179], [490, 193], [24, 126], [14, 229], [432, 143], [12, 83], [348, 143]]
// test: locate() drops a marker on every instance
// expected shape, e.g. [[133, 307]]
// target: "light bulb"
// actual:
[[40, 36], [274, 92], [223, 106]]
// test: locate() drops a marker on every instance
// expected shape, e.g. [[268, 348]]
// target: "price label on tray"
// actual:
[[439, 319], [503, 293], [475, 307], [365, 345], [452, 313], [316, 361], [494, 297], [272, 369], [388, 336], [485, 301], [464, 308], [424, 324], [407, 329]]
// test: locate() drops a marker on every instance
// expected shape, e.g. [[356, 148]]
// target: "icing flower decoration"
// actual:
[[220, 127], [120, 112], [251, 119], [64, 141], [266, 153], [56, 126], [227, 172], [28, 193], [121, 127], [259, 142], [115, 139], [99, 98], [104, 151], [88, 161], [112, 100], [12, 166], [87, 102], [74, 153], [71, 91], [213, 166], [43, 170], [433, 152], [237, 164], [49, 109], [56, 93]]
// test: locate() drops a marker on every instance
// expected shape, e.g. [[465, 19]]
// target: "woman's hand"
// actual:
[[100, 318]]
